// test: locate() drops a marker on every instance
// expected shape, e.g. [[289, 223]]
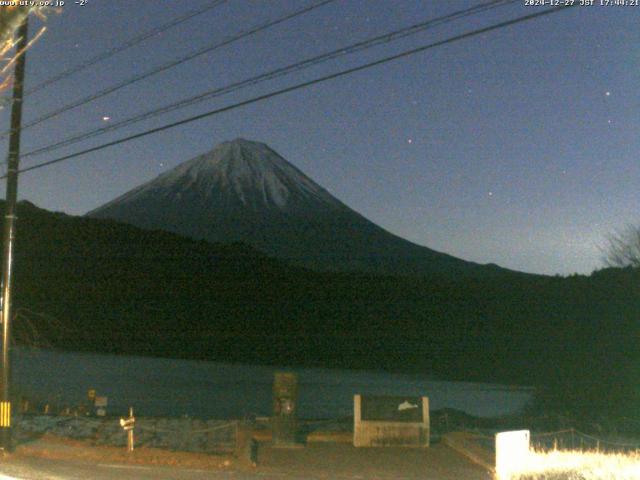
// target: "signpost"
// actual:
[[100, 404], [127, 425]]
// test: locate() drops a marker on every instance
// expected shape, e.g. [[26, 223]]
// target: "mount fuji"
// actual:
[[243, 191]]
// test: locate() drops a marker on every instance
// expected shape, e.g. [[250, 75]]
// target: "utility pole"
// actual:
[[13, 163]]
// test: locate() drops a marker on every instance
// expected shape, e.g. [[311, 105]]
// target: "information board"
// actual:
[[390, 421], [392, 409]]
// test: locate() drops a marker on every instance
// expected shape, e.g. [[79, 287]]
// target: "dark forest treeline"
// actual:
[[99, 285]]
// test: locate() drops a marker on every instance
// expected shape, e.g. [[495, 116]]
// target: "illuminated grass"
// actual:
[[578, 465]]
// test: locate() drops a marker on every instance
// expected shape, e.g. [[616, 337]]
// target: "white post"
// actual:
[[512, 451]]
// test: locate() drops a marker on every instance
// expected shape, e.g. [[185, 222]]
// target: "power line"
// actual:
[[297, 66], [171, 64], [299, 86], [125, 46]]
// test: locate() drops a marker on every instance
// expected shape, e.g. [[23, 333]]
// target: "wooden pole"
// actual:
[[130, 433], [13, 163]]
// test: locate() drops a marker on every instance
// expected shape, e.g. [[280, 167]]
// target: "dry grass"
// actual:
[[578, 465]]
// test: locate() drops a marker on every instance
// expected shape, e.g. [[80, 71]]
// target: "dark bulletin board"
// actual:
[[391, 409]]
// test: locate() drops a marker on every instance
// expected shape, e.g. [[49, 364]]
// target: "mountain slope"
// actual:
[[100, 285], [244, 191]]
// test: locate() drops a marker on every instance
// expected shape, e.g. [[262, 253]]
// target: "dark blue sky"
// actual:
[[518, 147]]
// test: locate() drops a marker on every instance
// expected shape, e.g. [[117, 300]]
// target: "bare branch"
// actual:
[[623, 248]]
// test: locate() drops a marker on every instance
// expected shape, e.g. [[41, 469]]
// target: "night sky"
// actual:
[[518, 147]]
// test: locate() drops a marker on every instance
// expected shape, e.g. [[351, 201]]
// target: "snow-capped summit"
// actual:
[[244, 191], [238, 173], [249, 171]]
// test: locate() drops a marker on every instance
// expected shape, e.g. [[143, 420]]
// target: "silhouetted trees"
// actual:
[[623, 248]]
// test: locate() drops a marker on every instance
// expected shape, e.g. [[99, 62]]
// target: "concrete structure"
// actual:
[[284, 424], [381, 421]]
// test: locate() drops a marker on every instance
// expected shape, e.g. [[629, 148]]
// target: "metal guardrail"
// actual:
[[190, 435], [566, 439], [573, 439]]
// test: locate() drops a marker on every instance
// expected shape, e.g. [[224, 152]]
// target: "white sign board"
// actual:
[[512, 451]]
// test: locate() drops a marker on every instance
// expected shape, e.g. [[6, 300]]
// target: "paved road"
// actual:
[[43, 469], [312, 463]]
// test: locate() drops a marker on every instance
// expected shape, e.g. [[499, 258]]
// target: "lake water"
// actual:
[[167, 387]]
